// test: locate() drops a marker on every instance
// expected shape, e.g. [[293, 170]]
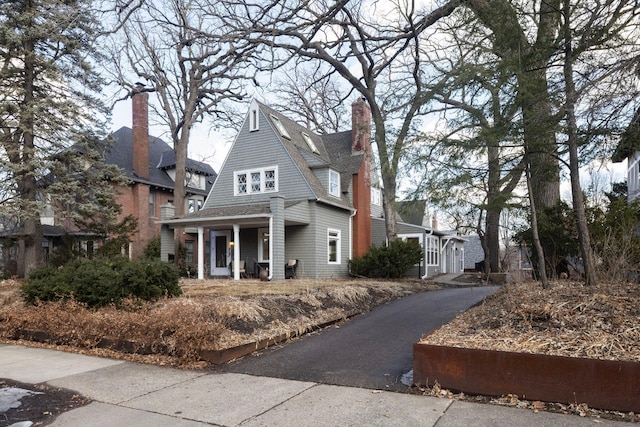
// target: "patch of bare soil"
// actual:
[[41, 406], [212, 315]]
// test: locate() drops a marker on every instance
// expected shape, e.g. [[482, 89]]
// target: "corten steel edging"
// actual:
[[602, 384]]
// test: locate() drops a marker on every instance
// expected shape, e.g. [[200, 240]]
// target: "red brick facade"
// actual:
[[361, 141]]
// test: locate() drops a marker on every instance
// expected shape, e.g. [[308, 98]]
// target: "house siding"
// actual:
[[300, 244], [298, 212], [378, 232], [267, 150], [335, 219]]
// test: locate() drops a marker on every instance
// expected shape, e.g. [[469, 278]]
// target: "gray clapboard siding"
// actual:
[[253, 151]]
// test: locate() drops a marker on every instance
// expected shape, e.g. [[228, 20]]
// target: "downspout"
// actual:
[[351, 238], [200, 252], [424, 256], [442, 251], [270, 248]]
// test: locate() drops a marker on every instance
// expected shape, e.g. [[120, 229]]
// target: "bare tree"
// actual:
[[374, 49], [309, 95], [184, 52]]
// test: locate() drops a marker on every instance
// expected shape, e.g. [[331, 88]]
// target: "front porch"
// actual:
[[252, 235]]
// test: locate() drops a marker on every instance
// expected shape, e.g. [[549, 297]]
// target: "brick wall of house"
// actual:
[[361, 141], [134, 200]]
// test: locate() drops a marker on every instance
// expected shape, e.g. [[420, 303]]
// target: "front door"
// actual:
[[220, 252]]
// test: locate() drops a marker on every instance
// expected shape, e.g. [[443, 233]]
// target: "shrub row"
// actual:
[[390, 261], [101, 282]]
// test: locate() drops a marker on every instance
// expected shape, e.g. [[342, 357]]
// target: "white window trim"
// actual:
[[254, 119], [376, 196], [280, 127], [338, 239], [310, 143], [432, 245], [249, 183], [337, 175], [261, 257]]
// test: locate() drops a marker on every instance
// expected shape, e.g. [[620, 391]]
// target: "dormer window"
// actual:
[[254, 122], [334, 183], [310, 143], [280, 127]]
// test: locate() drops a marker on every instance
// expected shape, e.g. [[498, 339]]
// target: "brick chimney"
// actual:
[[360, 126], [434, 223], [361, 143], [140, 137]]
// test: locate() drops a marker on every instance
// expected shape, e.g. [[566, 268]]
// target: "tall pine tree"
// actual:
[[49, 103]]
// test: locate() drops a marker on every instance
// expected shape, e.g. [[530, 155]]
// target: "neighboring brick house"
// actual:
[[285, 193], [150, 165]]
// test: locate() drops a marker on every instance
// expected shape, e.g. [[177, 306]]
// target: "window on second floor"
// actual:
[[376, 196], [256, 181], [152, 203], [254, 123], [334, 183]]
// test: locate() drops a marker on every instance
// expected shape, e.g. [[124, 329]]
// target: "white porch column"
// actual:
[[200, 253], [236, 252]]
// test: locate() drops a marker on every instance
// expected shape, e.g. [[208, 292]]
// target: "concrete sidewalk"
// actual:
[[126, 393]]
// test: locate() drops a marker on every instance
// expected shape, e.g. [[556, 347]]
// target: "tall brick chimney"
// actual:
[[140, 137], [360, 126], [361, 142]]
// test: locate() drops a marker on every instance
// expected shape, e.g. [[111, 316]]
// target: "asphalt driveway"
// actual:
[[373, 350]]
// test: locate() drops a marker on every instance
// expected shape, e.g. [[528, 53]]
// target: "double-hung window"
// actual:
[[333, 246], [256, 181], [334, 183]]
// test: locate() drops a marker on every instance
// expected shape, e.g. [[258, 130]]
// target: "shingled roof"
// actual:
[[161, 158], [333, 151]]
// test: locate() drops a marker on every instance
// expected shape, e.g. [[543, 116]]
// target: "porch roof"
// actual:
[[257, 214]]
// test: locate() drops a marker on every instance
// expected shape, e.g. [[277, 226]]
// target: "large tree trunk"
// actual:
[[388, 172], [30, 247], [574, 167], [540, 139], [179, 192]]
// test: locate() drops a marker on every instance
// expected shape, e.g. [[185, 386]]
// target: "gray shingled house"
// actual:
[[287, 197]]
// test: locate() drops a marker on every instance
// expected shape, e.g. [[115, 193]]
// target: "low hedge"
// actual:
[[101, 282]]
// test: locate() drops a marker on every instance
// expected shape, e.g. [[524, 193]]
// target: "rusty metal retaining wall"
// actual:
[[602, 384]]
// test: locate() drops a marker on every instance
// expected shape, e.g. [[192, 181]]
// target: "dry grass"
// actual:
[[569, 319], [212, 315]]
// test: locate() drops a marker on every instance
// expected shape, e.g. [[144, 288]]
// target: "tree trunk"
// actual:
[[179, 192], [388, 172], [584, 238], [492, 237], [30, 248], [542, 268], [540, 140]]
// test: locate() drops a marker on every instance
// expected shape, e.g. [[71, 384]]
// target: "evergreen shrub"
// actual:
[[388, 261], [101, 282]]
